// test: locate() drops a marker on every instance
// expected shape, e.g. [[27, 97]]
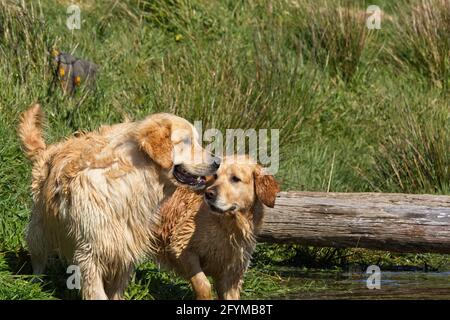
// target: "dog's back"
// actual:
[[91, 199]]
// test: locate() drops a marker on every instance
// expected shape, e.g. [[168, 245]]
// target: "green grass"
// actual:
[[13, 287], [357, 110]]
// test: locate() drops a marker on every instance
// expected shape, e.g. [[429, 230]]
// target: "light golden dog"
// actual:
[[96, 194], [215, 234]]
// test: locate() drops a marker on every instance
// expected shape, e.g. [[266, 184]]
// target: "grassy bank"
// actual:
[[357, 109]]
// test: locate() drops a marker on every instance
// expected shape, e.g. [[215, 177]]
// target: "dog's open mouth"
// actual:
[[185, 177]]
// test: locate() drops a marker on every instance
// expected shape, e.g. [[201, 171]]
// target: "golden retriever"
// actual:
[[96, 194], [215, 234]]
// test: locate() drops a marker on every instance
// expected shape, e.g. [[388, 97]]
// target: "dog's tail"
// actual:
[[30, 132]]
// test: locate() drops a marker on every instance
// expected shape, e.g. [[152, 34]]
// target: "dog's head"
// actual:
[[238, 183], [173, 144]]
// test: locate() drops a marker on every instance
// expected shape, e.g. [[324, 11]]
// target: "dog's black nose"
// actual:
[[216, 162], [210, 194]]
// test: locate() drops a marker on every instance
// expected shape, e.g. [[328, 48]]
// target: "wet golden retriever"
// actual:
[[96, 194], [215, 234]]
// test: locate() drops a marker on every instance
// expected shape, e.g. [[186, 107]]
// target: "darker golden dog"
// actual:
[[215, 234]]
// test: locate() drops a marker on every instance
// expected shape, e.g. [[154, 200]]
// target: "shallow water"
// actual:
[[353, 285]]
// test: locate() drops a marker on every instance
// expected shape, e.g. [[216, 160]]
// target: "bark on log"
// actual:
[[392, 222]]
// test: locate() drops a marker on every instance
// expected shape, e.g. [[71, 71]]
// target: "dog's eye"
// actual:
[[215, 176], [235, 179]]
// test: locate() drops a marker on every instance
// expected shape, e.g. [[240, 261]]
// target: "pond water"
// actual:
[[353, 285]]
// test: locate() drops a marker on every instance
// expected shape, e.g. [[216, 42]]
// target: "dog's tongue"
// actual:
[[190, 179], [198, 180]]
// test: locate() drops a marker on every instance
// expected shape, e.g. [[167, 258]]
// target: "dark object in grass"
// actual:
[[72, 72]]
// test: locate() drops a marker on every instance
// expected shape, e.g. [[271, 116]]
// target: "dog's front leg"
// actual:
[[91, 277], [199, 282], [228, 289], [201, 286], [92, 286]]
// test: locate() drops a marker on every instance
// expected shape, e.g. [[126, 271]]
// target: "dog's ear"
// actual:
[[266, 187], [154, 137]]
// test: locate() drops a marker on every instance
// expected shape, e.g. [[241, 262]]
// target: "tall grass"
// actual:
[[332, 33], [24, 46], [421, 39], [308, 68], [414, 154]]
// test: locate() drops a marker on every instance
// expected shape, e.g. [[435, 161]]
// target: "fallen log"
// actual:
[[392, 222]]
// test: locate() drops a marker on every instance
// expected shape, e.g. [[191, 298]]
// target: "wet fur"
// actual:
[[95, 197], [196, 242]]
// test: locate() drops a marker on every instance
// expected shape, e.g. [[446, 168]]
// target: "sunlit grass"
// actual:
[[357, 110]]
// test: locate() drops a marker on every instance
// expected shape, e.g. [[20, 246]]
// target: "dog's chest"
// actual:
[[226, 253]]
